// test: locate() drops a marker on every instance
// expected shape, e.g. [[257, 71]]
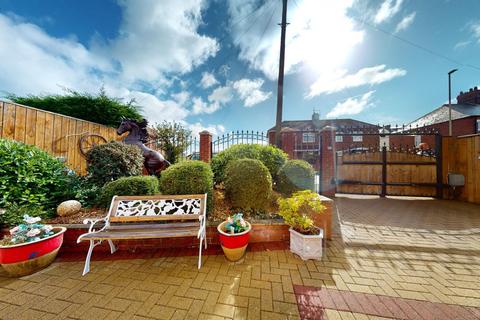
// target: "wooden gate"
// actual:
[[389, 172]]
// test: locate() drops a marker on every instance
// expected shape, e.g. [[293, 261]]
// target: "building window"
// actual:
[[338, 138], [357, 138], [308, 137], [478, 125]]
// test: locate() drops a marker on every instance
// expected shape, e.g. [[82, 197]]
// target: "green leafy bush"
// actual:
[[272, 157], [188, 177], [30, 176], [295, 175], [248, 184], [110, 161], [96, 108], [14, 213], [128, 186], [83, 189], [297, 210]]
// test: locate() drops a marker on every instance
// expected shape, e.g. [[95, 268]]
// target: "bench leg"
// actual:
[[200, 253], [93, 244], [112, 247], [205, 237]]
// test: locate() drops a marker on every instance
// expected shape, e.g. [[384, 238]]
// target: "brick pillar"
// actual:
[[327, 184], [205, 146]]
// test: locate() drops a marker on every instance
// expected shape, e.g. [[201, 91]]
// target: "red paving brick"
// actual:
[[376, 305]]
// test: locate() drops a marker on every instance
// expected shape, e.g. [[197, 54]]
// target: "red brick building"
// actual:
[[302, 139], [465, 120]]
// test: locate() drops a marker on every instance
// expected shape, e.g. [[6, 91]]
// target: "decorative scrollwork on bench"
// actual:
[[161, 207]]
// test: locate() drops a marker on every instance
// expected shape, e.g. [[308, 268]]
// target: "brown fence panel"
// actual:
[[462, 155], [57, 134], [406, 174]]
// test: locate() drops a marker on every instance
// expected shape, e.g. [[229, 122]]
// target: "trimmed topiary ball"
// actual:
[[295, 175], [110, 161], [248, 184], [188, 177], [128, 186], [30, 177], [272, 157]]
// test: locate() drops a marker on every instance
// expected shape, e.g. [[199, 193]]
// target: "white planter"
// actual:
[[306, 246]]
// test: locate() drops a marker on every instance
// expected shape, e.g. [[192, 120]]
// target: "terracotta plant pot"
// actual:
[[27, 258], [234, 245]]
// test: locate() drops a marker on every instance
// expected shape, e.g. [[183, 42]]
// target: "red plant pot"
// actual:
[[233, 245], [27, 258]]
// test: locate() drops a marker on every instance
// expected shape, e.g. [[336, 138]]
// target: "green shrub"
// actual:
[[13, 214], [297, 210], [295, 175], [110, 161], [128, 186], [188, 177], [248, 184], [98, 108], [30, 176], [83, 189], [272, 157]]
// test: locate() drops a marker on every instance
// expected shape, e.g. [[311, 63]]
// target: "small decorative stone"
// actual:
[[68, 208]]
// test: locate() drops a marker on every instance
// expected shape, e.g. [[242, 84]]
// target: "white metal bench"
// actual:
[[149, 217]]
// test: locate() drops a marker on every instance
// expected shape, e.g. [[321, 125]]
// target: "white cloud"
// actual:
[[181, 97], [475, 28], [461, 44], [214, 129], [340, 80], [221, 95], [34, 62], [199, 106], [351, 106], [309, 38], [208, 80], [388, 9], [157, 42], [405, 22], [158, 37], [250, 91], [157, 110]]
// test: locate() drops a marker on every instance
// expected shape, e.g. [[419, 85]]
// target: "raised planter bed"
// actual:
[[262, 231]]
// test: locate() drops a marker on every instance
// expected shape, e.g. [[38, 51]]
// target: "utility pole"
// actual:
[[281, 67], [450, 101]]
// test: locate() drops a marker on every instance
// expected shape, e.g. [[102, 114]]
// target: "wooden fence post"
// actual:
[[384, 172]]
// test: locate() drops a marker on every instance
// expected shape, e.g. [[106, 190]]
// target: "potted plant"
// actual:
[[30, 246], [234, 234], [305, 238]]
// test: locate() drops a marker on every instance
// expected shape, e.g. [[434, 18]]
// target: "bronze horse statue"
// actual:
[[138, 135]]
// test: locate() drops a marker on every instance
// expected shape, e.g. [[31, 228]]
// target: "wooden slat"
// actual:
[[40, 130], [176, 225], [143, 234], [49, 132], [31, 125], [162, 197], [9, 121], [71, 143], [20, 119], [57, 136]]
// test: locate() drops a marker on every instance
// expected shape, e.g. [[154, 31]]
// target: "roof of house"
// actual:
[[439, 115], [308, 125]]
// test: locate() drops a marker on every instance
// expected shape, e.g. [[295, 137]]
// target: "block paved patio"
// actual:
[[389, 259]]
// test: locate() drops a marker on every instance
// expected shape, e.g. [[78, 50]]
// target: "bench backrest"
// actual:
[[158, 207]]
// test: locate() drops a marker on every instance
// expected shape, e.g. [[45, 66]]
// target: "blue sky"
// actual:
[[213, 64]]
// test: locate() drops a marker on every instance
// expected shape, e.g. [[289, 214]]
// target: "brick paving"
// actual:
[[388, 259]]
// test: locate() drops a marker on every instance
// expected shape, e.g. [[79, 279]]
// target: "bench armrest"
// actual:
[[94, 229]]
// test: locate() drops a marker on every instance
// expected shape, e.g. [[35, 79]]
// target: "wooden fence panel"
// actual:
[[462, 155], [57, 134]]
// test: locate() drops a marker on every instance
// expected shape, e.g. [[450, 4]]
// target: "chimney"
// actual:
[[316, 119], [472, 96]]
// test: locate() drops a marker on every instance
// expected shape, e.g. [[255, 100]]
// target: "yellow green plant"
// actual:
[[297, 210]]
